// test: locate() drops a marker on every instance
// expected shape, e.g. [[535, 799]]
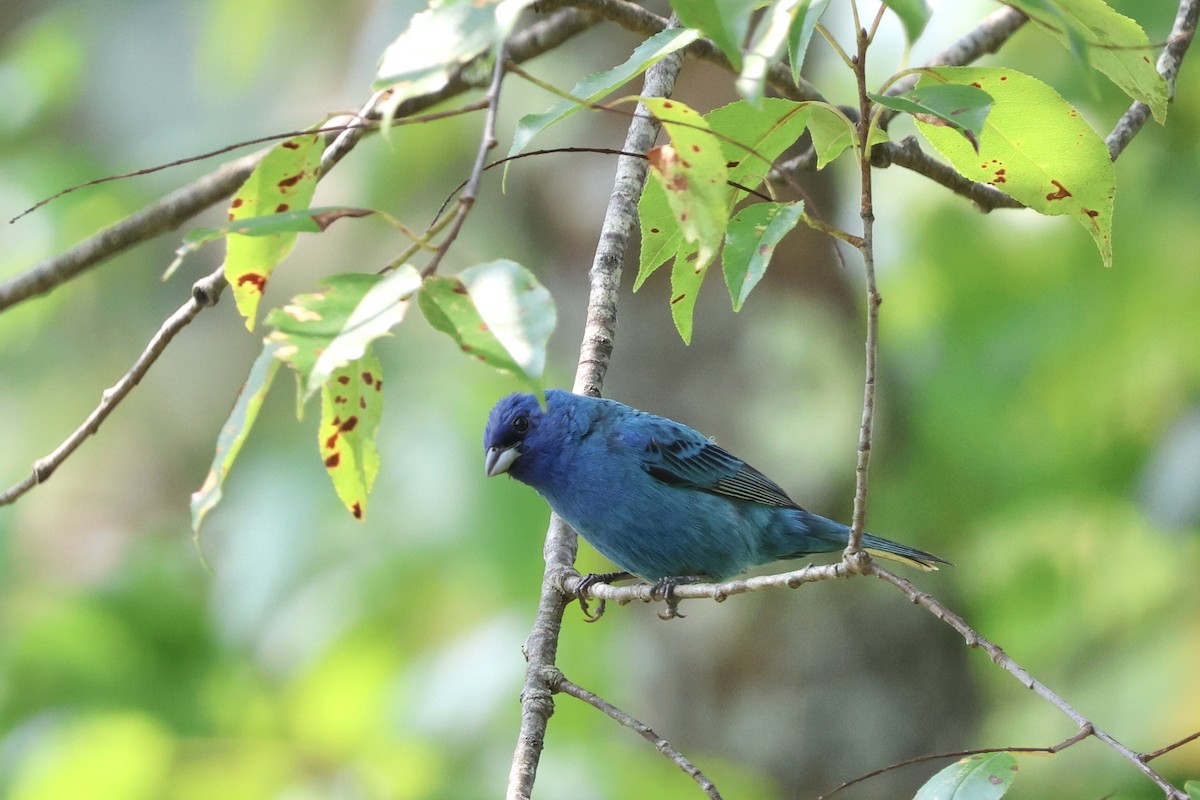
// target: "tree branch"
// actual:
[[559, 683], [1005, 662], [541, 648], [187, 201], [1182, 33]]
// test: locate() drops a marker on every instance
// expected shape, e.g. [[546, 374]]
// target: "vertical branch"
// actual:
[[541, 648], [867, 214]]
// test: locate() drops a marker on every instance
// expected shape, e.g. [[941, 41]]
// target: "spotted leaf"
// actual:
[[986, 776], [284, 180], [750, 242], [1034, 146], [351, 407]]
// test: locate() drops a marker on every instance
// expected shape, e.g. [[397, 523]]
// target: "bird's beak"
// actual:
[[499, 459]]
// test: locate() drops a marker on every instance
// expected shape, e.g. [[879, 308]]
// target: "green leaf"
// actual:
[[233, 434], [304, 220], [661, 235], [598, 84], [318, 333], [440, 39], [726, 22], [351, 407], [980, 777], [1035, 147], [913, 14], [962, 107], [1110, 41], [832, 133], [497, 312], [284, 180], [750, 242], [692, 171], [770, 40], [687, 273], [801, 33], [753, 137], [1193, 789]]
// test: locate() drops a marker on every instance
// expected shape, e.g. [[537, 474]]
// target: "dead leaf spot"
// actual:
[[343, 379], [331, 441], [290, 145], [656, 230], [356, 510], [349, 425], [1061, 194], [695, 148], [288, 183], [333, 461], [256, 280], [466, 348], [1091, 212], [368, 378], [339, 400], [668, 104], [460, 289], [362, 402], [237, 202], [675, 300], [282, 207]]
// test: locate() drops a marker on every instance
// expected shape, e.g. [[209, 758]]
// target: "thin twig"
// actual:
[[855, 558], [541, 648], [1164, 750], [558, 682], [205, 293], [1005, 662], [487, 142], [1079, 736]]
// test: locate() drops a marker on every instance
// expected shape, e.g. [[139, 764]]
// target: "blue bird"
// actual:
[[657, 498]]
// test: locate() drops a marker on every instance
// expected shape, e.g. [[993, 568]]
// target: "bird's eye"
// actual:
[[521, 424]]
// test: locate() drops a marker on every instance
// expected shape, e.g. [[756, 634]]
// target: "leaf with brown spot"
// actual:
[[985, 776], [750, 242], [320, 332], [1034, 147], [285, 175], [347, 446]]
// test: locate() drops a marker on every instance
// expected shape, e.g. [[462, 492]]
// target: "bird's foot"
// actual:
[[587, 582], [664, 589]]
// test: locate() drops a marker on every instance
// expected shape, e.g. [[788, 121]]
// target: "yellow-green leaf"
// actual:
[[351, 407], [692, 171], [497, 312], [832, 133], [687, 273], [1112, 43], [1036, 147], [233, 434], [986, 776], [284, 180], [750, 242]]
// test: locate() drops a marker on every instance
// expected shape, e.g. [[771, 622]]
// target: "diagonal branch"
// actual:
[[1005, 662], [541, 648], [559, 683]]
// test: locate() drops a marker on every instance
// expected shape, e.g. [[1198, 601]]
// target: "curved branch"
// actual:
[[541, 648]]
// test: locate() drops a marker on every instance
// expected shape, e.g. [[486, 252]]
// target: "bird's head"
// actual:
[[512, 423]]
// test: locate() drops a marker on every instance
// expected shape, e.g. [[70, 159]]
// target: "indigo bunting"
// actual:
[[657, 498]]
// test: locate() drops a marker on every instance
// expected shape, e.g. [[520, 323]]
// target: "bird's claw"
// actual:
[[664, 589], [586, 583]]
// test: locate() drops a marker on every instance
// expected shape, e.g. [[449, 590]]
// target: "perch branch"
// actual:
[[559, 683], [595, 352]]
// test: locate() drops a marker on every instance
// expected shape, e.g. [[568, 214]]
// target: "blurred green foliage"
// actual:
[[1034, 429]]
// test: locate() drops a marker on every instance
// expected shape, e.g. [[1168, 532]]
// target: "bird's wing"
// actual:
[[678, 455]]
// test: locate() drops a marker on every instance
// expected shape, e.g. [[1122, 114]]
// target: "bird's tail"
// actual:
[[886, 548], [817, 534]]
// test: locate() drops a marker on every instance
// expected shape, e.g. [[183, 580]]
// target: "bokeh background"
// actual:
[[1039, 426]]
